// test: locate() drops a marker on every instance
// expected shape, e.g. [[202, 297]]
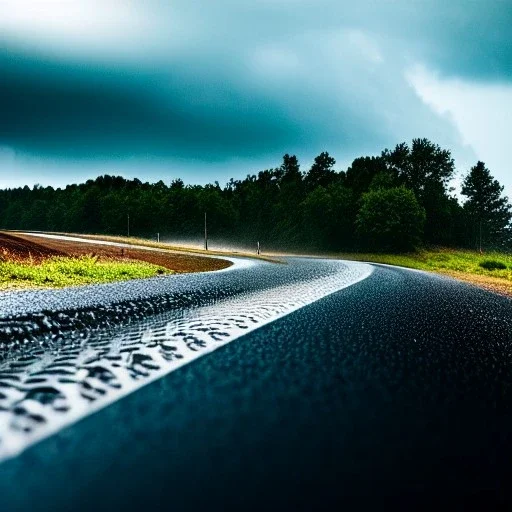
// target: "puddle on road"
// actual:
[[48, 385]]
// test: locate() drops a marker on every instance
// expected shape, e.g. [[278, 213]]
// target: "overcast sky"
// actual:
[[207, 90]]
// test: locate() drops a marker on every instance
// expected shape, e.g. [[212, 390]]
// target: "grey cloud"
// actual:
[[248, 80]]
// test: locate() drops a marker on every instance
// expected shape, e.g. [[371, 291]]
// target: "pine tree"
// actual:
[[489, 212]]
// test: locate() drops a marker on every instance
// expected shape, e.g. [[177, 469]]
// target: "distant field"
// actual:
[[27, 261], [480, 269], [144, 242]]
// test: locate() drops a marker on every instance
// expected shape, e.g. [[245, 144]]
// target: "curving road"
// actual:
[[334, 383]]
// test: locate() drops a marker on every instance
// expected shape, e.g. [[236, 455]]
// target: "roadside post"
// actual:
[[205, 234]]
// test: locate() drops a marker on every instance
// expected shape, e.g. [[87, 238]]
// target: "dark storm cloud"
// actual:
[[212, 81], [469, 39], [465, 38], [84, 113], [191, 108]]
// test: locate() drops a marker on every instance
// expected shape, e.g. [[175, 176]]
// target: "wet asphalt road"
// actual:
[[393, 391]]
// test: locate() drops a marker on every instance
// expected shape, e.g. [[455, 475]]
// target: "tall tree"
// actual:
[[360, 174], [291, 195], [423, 167], [290, 169], [321, 173], [426, 169], [489, 211]]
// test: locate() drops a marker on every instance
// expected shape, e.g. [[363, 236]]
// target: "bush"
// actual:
[[493, 265], [390, 220]]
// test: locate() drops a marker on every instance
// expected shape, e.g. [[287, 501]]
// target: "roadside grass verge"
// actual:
[[58, 271], [492, 270]]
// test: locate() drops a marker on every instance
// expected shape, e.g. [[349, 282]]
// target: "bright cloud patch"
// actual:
[[480, 111]]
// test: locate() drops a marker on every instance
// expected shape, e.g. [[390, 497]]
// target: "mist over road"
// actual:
[[357, 385]]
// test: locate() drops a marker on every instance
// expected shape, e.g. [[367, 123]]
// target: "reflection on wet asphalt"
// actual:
[[393, 391], [56, 378]]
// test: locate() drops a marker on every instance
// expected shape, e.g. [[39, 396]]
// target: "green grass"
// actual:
[[64, 271], [448, 261]]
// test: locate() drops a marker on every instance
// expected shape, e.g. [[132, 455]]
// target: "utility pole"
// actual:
[[128, 217], [205, 234], [158, 237], [258, 247]]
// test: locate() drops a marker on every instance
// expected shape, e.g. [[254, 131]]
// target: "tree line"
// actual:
[[398, 201]]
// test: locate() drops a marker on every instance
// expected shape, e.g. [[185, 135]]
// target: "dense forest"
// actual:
[[397, 201]]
